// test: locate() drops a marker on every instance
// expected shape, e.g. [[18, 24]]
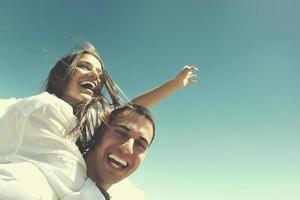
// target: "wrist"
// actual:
[[177, 84]]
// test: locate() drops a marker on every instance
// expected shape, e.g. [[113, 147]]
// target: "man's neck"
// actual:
[[104, 192], [90, 172]]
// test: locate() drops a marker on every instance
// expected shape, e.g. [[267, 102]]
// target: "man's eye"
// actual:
[[121, 134], [141, 146]]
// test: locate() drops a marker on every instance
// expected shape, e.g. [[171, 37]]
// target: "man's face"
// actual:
[[122, 148], [84, 80]]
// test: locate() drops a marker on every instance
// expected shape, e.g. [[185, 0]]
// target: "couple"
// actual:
[[43, 137]]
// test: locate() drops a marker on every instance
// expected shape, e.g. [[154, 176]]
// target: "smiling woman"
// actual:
[[53, 129], [79, 79], [85, 78], [42, 129]]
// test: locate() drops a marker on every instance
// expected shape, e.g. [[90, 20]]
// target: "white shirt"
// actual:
[[34, 130], [31, 132], [5, 103]]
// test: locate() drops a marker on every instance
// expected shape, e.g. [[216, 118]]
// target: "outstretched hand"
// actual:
[[186, 76]]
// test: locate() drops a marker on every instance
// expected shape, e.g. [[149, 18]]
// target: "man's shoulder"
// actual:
[[120, 190]]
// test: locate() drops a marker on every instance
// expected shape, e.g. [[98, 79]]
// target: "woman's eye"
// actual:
[[84, 67]]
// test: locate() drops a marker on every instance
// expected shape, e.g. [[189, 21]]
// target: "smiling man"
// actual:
[[120, 146]]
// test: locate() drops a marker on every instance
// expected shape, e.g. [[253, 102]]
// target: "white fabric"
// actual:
[[33, 133], [126, 190], [34, 130], [24, 181], [5, 103]]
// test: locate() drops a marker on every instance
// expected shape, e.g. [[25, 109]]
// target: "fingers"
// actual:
[[191, 79], [187, 76], [190, 68], [192, 76], [193, 82]]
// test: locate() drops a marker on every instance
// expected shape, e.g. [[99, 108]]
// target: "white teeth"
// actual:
[[116, 166], [118, 160], [93, 85]]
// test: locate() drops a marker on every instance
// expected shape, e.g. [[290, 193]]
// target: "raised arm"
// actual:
[[184, 78]]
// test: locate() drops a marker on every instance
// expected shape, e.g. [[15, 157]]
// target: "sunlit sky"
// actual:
[[233, 136]]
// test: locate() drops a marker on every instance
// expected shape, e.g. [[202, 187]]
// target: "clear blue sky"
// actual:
[[235, 135]]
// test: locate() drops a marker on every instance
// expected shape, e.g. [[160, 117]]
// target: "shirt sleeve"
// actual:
[[11, 124], [34, 119], [5, 103], [35, 129]]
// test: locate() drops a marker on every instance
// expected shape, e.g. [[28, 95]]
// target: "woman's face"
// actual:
[[84, 80]]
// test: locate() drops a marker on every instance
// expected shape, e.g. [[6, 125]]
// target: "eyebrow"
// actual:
[[128, 130]]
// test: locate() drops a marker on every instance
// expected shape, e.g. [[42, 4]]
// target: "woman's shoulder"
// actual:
[[44, 99], [5, 103]]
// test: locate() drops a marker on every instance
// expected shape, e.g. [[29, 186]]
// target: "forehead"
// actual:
[[92, 60], [137, 124]]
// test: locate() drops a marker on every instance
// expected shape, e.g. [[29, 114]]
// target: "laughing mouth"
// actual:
[[88, 85], [117, 162]]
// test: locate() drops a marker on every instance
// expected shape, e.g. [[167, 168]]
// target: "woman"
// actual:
[[40, 131]]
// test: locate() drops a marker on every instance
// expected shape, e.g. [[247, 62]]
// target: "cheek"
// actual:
[[75, 77], [139, 160], [104, 146], [142, 158], [70, 89], [73, 82], [102, 149]]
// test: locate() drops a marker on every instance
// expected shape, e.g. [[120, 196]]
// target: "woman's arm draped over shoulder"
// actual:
[[184, 77], [5, 103], [35, 131]]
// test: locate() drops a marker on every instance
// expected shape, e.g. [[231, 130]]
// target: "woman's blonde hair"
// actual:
[[88, 113]]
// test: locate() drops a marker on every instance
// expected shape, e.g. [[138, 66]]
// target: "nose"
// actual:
[[127, 147], [94, 73]]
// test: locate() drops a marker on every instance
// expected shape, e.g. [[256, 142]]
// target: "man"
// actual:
[[119, 146]]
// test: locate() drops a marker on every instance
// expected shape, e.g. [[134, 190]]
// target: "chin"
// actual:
[[85, 97]]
